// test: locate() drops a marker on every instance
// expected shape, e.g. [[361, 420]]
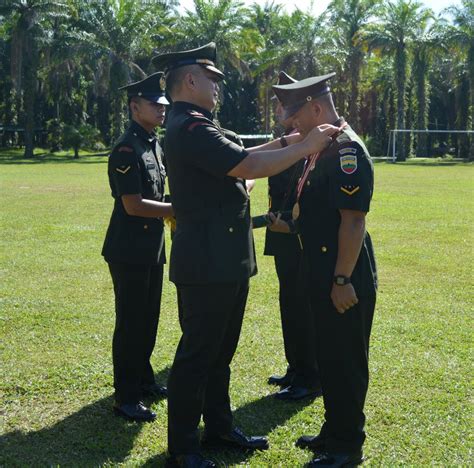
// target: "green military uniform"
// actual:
[[342, 179], [134, 248]]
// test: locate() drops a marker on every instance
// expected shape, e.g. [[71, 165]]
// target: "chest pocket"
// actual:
[[153, 177]]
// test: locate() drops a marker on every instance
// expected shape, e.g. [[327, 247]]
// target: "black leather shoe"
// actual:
[[155, 390], [134, 412], [337, 460], [236, 439], [293, 393], [281, 380], [315, 443], [193, 460]]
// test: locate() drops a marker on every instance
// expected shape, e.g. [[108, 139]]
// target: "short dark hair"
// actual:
[[175, 77]]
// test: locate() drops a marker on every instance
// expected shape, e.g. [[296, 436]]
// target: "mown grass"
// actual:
[[57, 317]]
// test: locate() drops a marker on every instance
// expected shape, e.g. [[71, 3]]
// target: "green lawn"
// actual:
[[57, 317]]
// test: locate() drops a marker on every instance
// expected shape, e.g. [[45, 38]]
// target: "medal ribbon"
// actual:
[[310, 163]]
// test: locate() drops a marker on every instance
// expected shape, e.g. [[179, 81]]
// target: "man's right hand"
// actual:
[[278, 225], [319, 138]]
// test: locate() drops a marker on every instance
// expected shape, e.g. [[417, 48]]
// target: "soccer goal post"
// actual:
[[392, 146]]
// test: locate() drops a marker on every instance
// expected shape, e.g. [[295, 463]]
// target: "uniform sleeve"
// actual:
[[124, 171], [352, 178], [209, 149]]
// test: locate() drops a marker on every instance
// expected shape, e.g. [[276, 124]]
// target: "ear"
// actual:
[[189, 80], [316, 108]]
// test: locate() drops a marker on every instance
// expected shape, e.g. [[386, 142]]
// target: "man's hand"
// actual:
[[278, 225], [319, 137], [343, 297]]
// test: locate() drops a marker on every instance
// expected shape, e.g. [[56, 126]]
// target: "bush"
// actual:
[[77, 137]]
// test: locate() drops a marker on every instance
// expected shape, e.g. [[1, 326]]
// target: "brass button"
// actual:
[[145, 226], [231, 229], [308, 183], [324, 248]]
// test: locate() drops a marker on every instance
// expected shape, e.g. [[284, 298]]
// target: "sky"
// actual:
[[320, 5]]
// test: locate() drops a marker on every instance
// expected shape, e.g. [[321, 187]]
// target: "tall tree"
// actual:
[[348, 19], [119, 33], [426, 44], [394, 32], [461, 37], [31, 27], [223, 22]]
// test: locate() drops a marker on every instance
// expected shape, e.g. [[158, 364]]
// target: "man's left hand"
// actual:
[[343, 297]]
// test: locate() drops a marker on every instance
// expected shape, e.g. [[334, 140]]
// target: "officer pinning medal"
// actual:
[[211, 278]]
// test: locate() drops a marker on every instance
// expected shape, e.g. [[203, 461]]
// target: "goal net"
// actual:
[[430, 143]]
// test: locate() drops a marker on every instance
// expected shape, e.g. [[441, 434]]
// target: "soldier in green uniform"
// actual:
[[333, 198], [212, 255], [134, 247], [301, 379]]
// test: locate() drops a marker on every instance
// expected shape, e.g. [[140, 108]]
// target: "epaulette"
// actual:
[[202, 120]]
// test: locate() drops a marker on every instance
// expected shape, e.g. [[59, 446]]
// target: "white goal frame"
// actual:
[[393, 140]]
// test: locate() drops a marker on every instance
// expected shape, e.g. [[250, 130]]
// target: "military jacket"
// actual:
[[135, 166], [342, 178], [281, 197], [213, 241]]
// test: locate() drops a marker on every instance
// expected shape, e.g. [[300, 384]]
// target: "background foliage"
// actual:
[[398, 65]]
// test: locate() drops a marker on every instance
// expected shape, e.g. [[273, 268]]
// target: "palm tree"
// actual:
[[394, 33], [427, 43], [31, 27], [461, 38], [348, 19], [225, 22], [119, 37]]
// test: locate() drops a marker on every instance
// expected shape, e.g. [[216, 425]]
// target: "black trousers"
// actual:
[[297, 320], [343, 351], [137, 310], [211, 318]]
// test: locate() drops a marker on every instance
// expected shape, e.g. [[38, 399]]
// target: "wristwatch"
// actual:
[[341, 280], [283, 142]]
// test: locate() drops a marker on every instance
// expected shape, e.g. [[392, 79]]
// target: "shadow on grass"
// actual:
[[260, 417], [10, 157], [92, 436]]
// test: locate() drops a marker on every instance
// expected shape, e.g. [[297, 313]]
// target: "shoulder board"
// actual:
[[195, 113], [343, 138], [125, 149]]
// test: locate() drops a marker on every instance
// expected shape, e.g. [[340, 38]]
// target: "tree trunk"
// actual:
[[354, 71], [463, 117], [420, 65], [29, 94], [400, 73], [76, 152]]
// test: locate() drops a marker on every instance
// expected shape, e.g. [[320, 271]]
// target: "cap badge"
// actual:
[[309, 98], [162, 83]]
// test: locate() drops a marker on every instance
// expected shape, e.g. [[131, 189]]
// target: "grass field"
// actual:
[[57, 317]]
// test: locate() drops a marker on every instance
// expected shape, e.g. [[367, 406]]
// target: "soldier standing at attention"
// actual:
[[302, 378], [134, 247], [333, 198], [212, 256]]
